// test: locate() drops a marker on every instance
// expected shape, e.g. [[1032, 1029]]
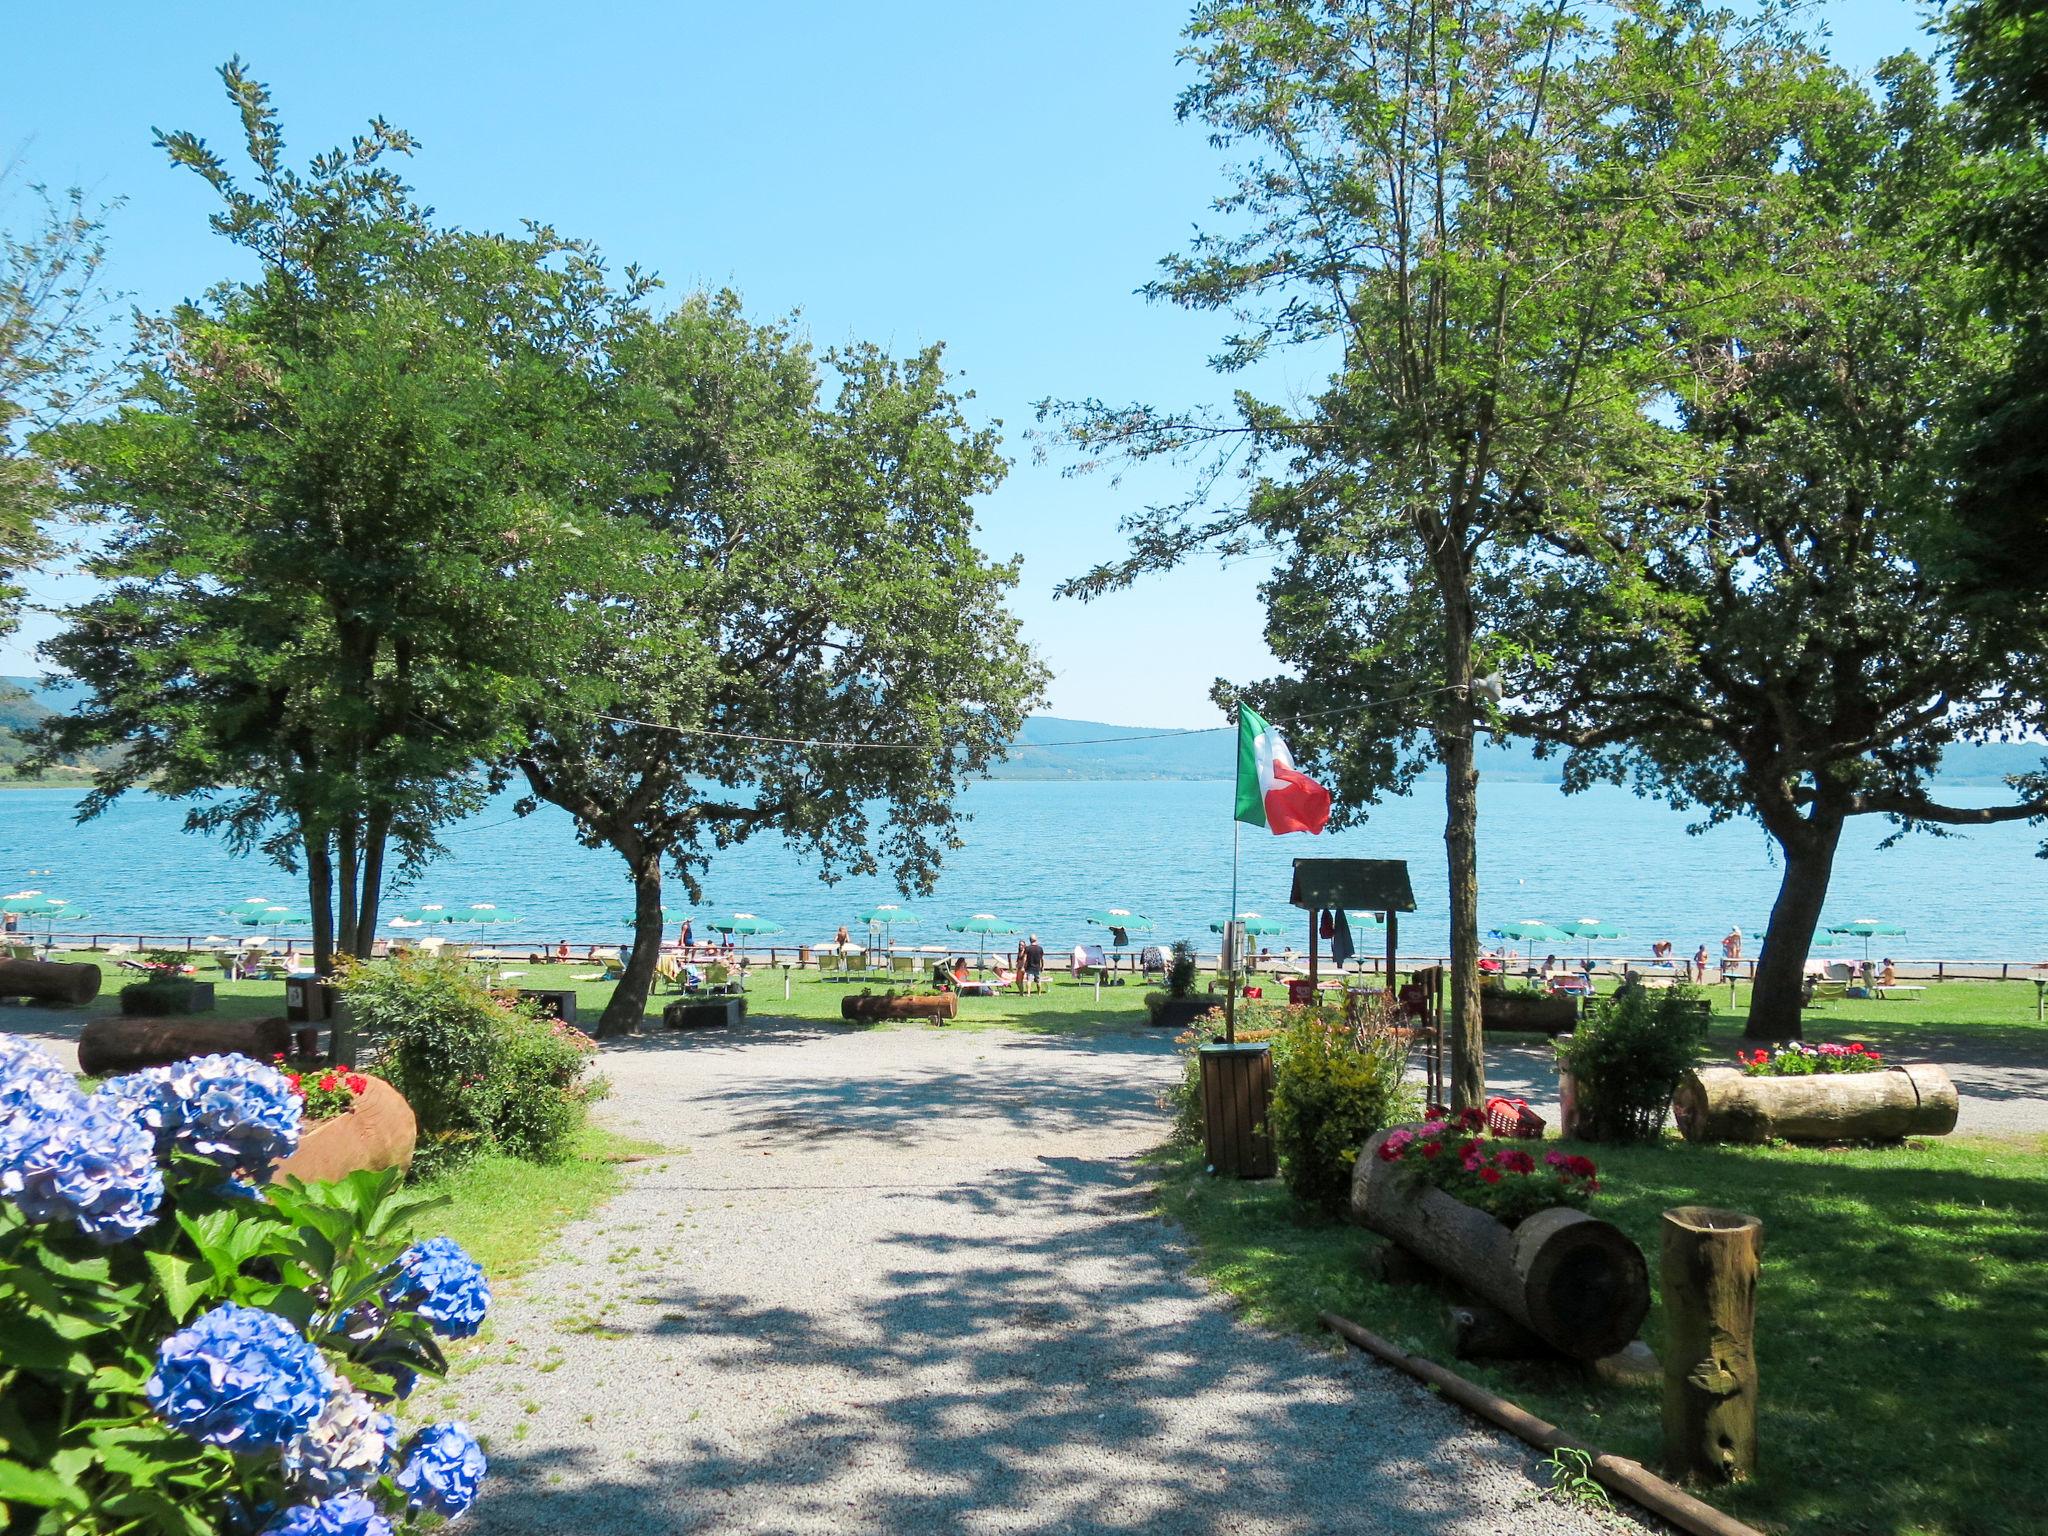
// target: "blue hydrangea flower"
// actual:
[[146, 1098], [64, 1157], [24, 1068], [443, 1468], [444, 1285], [240, 1378], [238, 1112], [346, 1514], [348, 1446]]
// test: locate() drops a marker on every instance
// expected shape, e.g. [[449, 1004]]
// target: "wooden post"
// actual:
[[1393, 925], [1315, 922], [1708, 1269]]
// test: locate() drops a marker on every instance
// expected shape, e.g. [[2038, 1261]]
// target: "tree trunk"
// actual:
[[1708, 1267], [1578, 1283], [320, 900], [1461, 842], [628, 1005], [1781, 971], [345, 916], [377, 834], [49, 981]]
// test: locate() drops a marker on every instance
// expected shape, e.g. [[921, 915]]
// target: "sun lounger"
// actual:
[[1897, 986], [1571, 984]]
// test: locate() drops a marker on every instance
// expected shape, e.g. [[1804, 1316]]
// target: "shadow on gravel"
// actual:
[[1064, 1378]]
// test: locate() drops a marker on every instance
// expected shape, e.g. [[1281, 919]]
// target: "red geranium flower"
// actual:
[[1490, 1175], [327, 1082], [1431, 1148], [357, 1083]]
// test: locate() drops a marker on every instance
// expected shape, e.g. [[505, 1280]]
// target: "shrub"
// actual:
[[1494, 1174], [1335, 1082], [1627, 1056], [478, 1072], [1180, 970], [157, 997], [186, 1352]]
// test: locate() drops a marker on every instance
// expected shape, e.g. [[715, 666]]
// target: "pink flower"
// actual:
[[1514, 1160]]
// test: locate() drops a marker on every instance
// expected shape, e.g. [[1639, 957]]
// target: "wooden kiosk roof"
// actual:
[[1359, 885]]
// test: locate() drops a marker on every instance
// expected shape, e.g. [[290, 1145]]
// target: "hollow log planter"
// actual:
[[1707, 1269], [1165, 1011], [923, 1005], [1528, 1011], [379, 1132], [1576, 1282], [125, 1045], [49, 981], [1725, 1104]]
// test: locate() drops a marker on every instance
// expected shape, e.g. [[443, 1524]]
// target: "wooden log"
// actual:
[[1708, 1269], [1725, 1104], [49, 981], [928, 1005], [380, 1132], [123, 1045], [1578, 1283], [1480, 1332]]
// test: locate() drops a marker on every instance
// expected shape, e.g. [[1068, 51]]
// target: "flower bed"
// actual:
[[1795, 1058], [1493, 1174], [188, 1350]]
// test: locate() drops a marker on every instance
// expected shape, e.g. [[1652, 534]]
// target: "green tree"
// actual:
[[341, 497], [1999, 53], [813, 641], [1472, 215], [1779, 639], [52, 367]]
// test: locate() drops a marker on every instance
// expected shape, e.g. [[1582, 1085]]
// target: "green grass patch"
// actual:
[[1900, 1332], [506, 1213]]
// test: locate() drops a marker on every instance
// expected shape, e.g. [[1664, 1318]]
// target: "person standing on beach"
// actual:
[[1034, 965], [683, 938], [1699, 963], [1731, 953]]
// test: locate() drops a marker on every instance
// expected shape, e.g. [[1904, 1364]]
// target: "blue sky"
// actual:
[[996, 177]]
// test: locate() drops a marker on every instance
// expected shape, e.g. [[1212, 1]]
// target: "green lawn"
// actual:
[[1901, 1330], [505, 1212], [1064, 1006]]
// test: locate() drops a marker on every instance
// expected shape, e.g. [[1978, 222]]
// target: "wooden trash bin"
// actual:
[[553, 1002], [1237, 1089], [308, 1000]]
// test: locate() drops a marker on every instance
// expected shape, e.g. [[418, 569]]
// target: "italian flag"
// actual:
[[1271, 793]]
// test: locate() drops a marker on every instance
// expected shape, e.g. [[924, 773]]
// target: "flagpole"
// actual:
[[1230, 920]]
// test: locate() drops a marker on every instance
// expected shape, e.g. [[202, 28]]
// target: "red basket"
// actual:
[[1512, 1117]]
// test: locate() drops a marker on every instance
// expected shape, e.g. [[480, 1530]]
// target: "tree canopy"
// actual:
[[339, 496], [1476, 217], [811, 643]]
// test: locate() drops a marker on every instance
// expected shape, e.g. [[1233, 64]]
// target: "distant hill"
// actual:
[[1053, 747], [25, 702]]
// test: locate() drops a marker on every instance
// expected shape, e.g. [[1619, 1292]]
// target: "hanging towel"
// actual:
[[1341, 947]]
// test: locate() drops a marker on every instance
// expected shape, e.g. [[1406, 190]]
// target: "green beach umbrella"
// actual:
[[1525, 929], [633, 917], [1589, 929], [1868, 928], [1255, 925], [1119, 917], [269, 915], [743, 923], [51, 909], [983, 923], [888, 914]]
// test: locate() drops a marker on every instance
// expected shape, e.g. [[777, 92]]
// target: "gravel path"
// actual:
[[909, 1281]]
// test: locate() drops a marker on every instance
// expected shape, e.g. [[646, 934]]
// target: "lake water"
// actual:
[[1040, 854]]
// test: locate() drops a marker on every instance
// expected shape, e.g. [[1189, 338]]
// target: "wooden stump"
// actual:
[[49, 981], [1726, 1104], [123, 1045], [1237, 1093], [380, 1132], [1708, 1270], [1578, 1283], [553, 1002]]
